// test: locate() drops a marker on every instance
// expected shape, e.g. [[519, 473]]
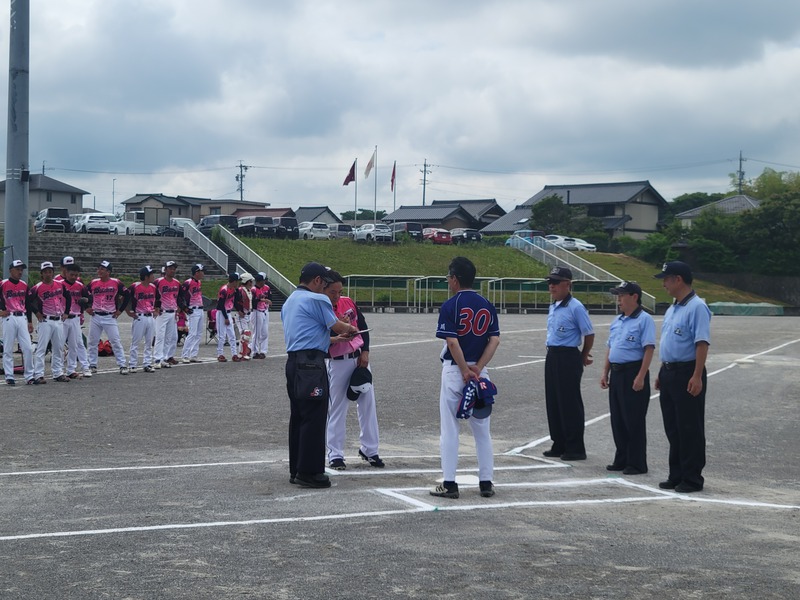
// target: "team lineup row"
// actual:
[[156, 306]]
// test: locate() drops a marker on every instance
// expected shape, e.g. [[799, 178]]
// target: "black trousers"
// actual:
[[629, 416], [684, 424], [308, 389], [563, 369]]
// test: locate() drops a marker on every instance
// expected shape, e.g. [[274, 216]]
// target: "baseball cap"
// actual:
[[17, 263], [198, 267], [486, 393], [627, 287], [261, 276], [675, 267], [105, 264], [360, 382], [171, 263], [67, 260], [145, 271], [73, 267], [315, 269], [233, 276], [46, 265], [246, 277], [559, 274]]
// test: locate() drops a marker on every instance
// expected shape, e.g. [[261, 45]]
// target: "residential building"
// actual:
[[732, 205]]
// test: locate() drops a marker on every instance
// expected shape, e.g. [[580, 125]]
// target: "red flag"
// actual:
[[351, 176], [394, 169], [370, 164]]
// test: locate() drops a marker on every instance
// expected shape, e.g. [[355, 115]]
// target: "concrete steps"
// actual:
[[127, 253]]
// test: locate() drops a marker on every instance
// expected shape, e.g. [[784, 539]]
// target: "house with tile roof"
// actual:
[[484, 211], [188, 206], [319, 214], [445, 216], [44, 192], [732, 205]]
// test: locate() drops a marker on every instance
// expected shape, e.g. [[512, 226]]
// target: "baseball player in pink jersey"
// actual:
[[49, 301], [167, 288], [108, 298], [79, 299], [227, 300], [142, 295], [17, 326], [190, 301], [262, 300], [243, 319], [347, 353]]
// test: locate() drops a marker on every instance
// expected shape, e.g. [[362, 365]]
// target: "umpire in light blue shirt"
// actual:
[[626, 376], [567, 325], [308, 317], [681, 381]]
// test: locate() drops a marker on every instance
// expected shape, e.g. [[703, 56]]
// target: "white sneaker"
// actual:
[[165, 365], [123, 370], [132, 370], [87, 373], [157, 365], [185, 360]]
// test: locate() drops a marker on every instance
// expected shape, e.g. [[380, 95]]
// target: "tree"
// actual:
[[768, 236], [686, 202], [364, 214], [550, 215]]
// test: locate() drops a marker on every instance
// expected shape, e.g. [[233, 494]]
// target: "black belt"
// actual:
[[18, 314], [144, 314], [72, 316], [49, 318], [674, 366], [168, 311], [625, 366], [355, 354], [103, 314], [196, 307], [561, 348]]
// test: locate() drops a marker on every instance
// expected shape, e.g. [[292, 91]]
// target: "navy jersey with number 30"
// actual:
[[472, 319]]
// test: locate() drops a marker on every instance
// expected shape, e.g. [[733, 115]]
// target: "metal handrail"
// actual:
[[206, 246], [550, 254], [276, 279]]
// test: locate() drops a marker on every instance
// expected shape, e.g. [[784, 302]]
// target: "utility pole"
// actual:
[[18, 135], [240, 179], [425, 172], [740, 173]]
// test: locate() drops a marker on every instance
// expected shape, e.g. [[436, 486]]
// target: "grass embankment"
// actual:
[[412, 258]]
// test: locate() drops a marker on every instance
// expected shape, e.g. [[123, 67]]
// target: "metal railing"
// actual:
[[548, 253], [206, 246], [384, 285], [276, 279]]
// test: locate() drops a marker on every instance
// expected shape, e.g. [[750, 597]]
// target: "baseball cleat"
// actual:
[[148, 369], [445, 491], [11, 382], [221, 358], [337, 464], [123, 370], [157, 365], [61, 379], [374, 461], [487, 489], [185, 360], [87, 373]]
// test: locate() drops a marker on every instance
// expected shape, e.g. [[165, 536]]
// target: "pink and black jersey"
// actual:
[[226, 299], [167, 293], [50, 299], [104, 294], [260, 296], [142, 297], [191, 294], [77, 292], [13, 295]]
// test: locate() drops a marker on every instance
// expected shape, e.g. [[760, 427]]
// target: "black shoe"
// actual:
[[374, 461], [487, 489], [552, 454], [337, 464], [292, 479], [573, 456], [318, 480], [11, 382], [614, 468], [668, 485], [685, 488], [445, 490], [39, 381], [632, 471]]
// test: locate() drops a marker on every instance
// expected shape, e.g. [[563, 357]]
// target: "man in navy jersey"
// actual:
[[468, 324]]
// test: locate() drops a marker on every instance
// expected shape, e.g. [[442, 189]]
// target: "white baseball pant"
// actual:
[[50, 332], [191, 345], [15, 330], [260, 331], [142, 329], [76, 351], [339, 373], [166, 337], [449, 399], [225, 332], [109, 325]]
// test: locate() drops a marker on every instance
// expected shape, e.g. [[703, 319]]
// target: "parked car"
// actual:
[[341, 230], [567, 243], [169, 231], [208, 223], [92, 223], [585, 246], [287, 227], [413, 230], [462, 235], [314, 230], [526, 234], [117, 226], [257, 226], [52, 219], [373, 232], [437, 236]]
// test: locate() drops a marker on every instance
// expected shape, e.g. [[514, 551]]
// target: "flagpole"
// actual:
[[375, 204], [394, 196], [355, 208]]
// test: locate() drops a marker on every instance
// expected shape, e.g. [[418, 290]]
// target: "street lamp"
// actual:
[[113, 194]]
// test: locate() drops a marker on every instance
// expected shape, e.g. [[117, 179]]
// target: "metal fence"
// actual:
[[206, 246], [255, 261]]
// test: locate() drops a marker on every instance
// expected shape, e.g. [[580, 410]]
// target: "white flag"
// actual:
[[370, 164]]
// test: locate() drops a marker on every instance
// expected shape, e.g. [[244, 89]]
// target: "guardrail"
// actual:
[[254, 260], [548, 253], [520, 292], [206, 246], [383, 284]]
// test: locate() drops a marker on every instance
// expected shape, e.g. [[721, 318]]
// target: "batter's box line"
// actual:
[[335, 473]]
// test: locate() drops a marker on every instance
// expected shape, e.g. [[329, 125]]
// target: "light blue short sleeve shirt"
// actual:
[[630, 336], [685, 324], [307, 319], [568, 323]]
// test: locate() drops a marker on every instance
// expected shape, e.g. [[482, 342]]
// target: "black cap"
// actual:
[[198, 267], [627, 287], [261, 276], [233, 277], [145, 271], [360, 382], [105, 264], [676, 267], [314, 269], [559, 274]]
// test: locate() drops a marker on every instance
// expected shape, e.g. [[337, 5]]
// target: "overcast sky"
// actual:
[[500, 97]]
